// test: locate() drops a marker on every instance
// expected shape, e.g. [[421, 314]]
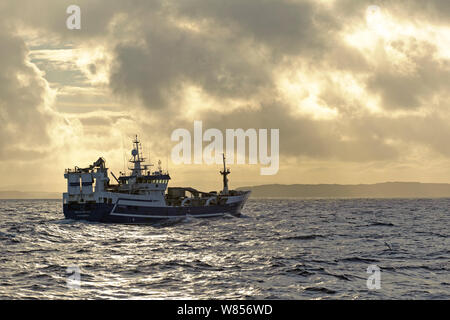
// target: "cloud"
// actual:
[[24, 98], [414, 81], [284, 27], [235, 50], [223, 66], [340, 89]]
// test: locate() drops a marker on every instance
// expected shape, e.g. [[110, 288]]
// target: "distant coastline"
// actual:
[[21, 195], [377, 190]]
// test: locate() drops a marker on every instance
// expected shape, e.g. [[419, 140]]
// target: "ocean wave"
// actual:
[[377, 223], [358, 259], [320, 290], [304, 237], [323, 246]]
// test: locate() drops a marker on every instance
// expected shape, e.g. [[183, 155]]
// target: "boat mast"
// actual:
[[224, 173], [137, 159]]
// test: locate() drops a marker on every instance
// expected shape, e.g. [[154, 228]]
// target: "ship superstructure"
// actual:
[[142, 196]]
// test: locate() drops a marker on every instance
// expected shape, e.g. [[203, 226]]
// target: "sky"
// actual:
[[358, 89]]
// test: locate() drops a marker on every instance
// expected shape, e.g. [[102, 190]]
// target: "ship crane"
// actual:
[[100, 163]]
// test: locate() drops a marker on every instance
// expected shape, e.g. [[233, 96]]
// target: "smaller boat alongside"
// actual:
[[142, 196]]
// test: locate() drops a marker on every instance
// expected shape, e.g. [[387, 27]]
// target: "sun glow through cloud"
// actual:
[[352, 88]]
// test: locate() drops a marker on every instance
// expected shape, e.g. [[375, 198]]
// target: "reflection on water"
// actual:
[[280, 249]]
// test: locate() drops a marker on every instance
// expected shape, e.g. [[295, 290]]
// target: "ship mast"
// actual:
[[224, 173], [137, 159]]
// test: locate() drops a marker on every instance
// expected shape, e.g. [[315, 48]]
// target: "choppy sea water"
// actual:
[[279, 249]]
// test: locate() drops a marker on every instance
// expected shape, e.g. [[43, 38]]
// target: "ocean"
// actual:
[[278, 249]]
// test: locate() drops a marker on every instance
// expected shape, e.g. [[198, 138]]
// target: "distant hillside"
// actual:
[[29, 195], [378, 190]]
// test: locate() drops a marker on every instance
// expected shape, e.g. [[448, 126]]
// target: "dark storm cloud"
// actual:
[[286, 27], [232, 55], [173, 57]]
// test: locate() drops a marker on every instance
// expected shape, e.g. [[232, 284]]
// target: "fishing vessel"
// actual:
[[142, 195]]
